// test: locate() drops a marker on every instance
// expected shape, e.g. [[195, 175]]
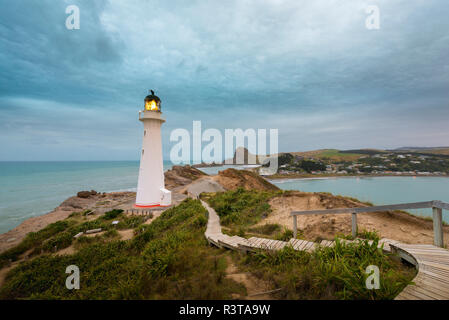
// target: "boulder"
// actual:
[[86, 194]]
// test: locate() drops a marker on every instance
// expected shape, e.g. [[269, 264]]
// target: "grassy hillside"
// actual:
[[239, 210], [423, 150], [327, 273], [335, 155], [171, 259], [167, 259], [444, 151], [330, 154]]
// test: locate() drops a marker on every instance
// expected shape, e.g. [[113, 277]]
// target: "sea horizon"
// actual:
[[34, 188]]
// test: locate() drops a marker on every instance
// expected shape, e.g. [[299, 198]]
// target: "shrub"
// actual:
[[241, 207], [167, 259], [369, 235], [266, 229], [330, 273], [201, 221], [74, 214], [60, 241], [112, 214], [131, 222], [33, 239], [89, 225], [111, 234], [286, 235]]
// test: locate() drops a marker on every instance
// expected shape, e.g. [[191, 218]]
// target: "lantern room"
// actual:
[[152, 102]]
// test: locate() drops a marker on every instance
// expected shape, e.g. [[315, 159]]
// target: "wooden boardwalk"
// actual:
[[432, 262], [432, 279]]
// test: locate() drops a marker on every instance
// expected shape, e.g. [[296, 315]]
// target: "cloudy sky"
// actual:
[[309, 68]]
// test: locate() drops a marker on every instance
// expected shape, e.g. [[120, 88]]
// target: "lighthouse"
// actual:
[[151, 190]]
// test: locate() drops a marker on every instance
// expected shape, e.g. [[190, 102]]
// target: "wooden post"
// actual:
[[438, 227], [354, 225], [295, 227]]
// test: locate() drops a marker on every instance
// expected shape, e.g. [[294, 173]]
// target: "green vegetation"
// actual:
[[112, 214], [285, 158], [271, 231], [171, 259], [59, 235], [33, 240], [405, 163], [241, 208], [286, 235], [266, 229], [426, 150], [362, 234], [369, 235], [309, 166], [337, 155], [331, 162], [167, 259], [363, 151], [328, 273]]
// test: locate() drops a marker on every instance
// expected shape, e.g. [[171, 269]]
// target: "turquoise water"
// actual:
[[378, 190], [29, 189]]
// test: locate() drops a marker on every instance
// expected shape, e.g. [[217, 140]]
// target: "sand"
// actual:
[[205, 184], [396, 225]]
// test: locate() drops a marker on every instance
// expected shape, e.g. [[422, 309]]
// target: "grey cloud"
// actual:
[[308, 67]]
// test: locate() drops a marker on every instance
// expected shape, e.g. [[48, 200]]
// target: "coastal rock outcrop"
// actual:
[[86, 194], [244, 157], [232, 179], [181, 175]]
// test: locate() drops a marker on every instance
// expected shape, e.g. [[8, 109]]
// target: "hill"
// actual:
[[424, 150], [248, 157], [330, 154]]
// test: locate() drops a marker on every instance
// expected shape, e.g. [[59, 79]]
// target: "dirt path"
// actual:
[[204, 184], [4, 272], [255, 288]]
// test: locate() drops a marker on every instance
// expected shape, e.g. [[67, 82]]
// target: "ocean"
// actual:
[[378, 190], [29, 189]]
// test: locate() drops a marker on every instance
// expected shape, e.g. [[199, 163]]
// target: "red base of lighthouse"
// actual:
[[149, 206]]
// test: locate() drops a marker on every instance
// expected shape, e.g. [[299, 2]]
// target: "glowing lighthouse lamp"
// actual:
[[151, 190]]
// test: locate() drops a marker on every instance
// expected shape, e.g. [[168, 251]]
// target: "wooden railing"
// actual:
[[437, 207]]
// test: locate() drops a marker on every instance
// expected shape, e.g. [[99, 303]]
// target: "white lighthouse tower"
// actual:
[[151, 190]]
